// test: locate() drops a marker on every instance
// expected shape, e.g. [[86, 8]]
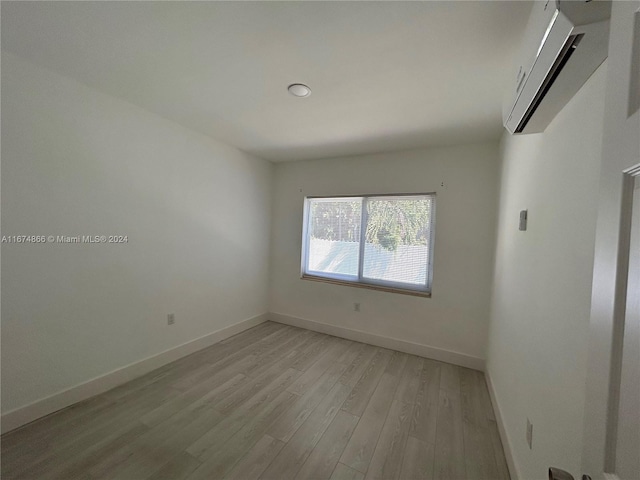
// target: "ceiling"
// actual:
[[384, 75]]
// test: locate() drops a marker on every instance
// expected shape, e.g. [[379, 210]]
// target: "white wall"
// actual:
[[455, 318], [542, 286], [197, 213]]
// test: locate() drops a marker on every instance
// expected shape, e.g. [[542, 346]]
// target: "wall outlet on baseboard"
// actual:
[[529, 434], [171, 319]]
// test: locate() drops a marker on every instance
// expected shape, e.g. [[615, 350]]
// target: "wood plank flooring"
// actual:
[[273, 402]]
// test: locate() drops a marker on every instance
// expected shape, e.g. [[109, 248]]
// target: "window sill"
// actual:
[[401, 291]]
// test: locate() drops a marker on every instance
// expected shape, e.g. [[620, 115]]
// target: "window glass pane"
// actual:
[[397, 239], [334, 235]]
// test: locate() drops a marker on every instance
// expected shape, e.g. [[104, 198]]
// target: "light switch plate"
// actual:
[[523, 220]]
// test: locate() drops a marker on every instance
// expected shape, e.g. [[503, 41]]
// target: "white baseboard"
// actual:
[[23, 415], [506, 444], [440, 354]]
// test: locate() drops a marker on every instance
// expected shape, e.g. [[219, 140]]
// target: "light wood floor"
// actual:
[[274, 402]]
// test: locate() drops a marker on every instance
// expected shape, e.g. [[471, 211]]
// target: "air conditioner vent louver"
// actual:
[[567, 50]]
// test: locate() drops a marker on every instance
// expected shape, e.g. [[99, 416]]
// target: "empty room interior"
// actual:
[[320, 240]]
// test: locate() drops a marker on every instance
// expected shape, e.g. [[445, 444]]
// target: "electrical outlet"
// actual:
[[356, 307], [171, 319], [529, 434]]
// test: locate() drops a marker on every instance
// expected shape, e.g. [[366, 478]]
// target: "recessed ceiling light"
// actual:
[[299, 90]]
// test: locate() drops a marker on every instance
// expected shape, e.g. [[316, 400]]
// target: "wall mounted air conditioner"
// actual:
[[564, 43]]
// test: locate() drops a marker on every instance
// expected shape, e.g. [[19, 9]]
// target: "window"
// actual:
[[382, 241]]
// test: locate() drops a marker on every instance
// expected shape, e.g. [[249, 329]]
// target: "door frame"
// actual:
[[620, 157], [629, 178]]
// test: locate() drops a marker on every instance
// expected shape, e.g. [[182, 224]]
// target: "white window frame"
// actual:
[[360, 280]]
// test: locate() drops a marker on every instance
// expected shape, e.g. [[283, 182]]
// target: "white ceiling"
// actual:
[[384, 75]]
